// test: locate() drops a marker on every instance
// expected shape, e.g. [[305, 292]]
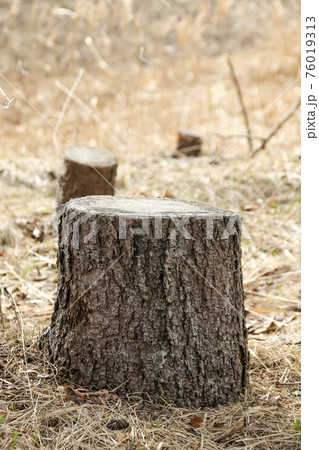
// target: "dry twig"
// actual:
[[276, 129], [240, 97], [237, 136], [65, 105], [237, 426], [32, 288], [9, 102]]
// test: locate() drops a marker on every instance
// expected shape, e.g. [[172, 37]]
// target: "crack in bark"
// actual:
[[152, 321]]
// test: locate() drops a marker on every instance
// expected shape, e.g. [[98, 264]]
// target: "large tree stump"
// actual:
[[86, 171], [150, 298]]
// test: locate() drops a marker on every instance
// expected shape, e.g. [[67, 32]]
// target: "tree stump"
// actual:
[[86, 171], [188, 143], [150, 300]]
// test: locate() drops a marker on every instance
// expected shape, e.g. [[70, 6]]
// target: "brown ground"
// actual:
[[135, 108]]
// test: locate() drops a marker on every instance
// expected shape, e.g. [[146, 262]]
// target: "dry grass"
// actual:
[[136, 109], [43, 418]]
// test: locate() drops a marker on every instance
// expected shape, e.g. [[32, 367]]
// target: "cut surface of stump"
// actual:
[[86, 171], [189, 143], [150, 300]]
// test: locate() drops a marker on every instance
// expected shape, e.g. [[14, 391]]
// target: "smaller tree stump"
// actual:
[[86, 171], [189, 143]]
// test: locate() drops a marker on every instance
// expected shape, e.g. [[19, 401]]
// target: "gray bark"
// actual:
[[159, 310]]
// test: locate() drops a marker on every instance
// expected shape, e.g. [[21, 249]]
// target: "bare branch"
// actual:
[[241, 100], [66, 103], [276, 129], [237, 136]]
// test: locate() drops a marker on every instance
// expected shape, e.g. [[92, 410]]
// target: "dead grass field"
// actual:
[[143, 71]]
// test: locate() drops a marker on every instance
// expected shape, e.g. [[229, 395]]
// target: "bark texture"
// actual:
[[150, 298], [86, 171]]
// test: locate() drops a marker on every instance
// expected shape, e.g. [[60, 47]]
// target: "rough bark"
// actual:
[[157, 310], [86, 171]]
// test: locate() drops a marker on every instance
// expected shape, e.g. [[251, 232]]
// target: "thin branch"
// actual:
[[8, 102], [32, 288], [20, 322], [272, 297], [234, 429], [101, 62], [94, 116], [66, 103], [1, 312], [237, 136], [276, 128], [241, 100]]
